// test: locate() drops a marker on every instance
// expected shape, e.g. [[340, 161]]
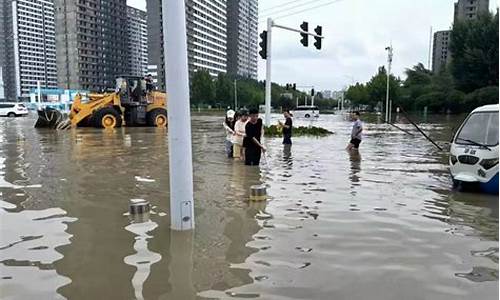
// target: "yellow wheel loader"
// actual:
[[132, 104]]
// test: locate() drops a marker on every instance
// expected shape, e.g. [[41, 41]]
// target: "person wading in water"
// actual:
[[287, 128], [254, 130]]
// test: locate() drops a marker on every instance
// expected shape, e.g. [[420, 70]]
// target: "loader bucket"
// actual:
[[50, 118]]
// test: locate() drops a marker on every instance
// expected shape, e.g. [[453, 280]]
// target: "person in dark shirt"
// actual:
[[287, 128], [254, 130]]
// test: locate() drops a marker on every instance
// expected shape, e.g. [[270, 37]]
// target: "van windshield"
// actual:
[[479, 128]]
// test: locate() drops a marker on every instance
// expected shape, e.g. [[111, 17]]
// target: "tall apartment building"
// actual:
[[137, 31], [91, 39], [464, 10], [27, 47], [469, 9], [206, 33], [440, 51], [242, 36]]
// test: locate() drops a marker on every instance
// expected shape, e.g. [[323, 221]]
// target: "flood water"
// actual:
[[383, 224]]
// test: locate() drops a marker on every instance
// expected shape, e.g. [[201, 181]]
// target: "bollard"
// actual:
[[258, 193], [139, 206]]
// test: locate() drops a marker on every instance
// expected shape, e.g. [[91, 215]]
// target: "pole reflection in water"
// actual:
[[181, 265], [143, 259]]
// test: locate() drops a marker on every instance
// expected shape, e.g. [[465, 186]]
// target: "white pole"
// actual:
[[39, 92], [235, 96], [430, 50], [342, 107], [179, 117], [389, 61], [268, 72]]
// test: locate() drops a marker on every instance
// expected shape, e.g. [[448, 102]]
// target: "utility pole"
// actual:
[[270, 25], [389, 63], [235, 96], [179, 116], [430, 50]]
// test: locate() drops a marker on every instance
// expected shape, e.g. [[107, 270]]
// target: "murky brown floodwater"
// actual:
[[381, 225]]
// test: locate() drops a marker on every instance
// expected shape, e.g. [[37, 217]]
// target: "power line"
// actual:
[[304, 10], [280, 6], [288, 8]]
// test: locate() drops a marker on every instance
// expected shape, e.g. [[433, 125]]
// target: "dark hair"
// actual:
[[254, 111], [230, 124], [357, 113], [243, 112]]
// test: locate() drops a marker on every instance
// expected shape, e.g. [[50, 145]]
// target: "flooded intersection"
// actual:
[[383, 224]]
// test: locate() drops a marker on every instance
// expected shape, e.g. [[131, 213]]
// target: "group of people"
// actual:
[[244, 132]]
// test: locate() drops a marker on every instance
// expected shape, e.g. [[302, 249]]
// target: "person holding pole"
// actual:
[[239, 129], [229, 128], [254, 130]]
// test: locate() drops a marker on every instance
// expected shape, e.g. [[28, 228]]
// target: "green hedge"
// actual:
[[275, 131]]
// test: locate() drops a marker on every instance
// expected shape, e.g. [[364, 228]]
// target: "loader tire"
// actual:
[[107, 118], [157, 118]]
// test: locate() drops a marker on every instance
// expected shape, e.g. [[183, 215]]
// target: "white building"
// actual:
[[242, 30], [137, 30], [32, 47], [207, 35]]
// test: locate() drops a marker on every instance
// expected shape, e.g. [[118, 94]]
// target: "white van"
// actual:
[[474, 150], [12, 109], [306, 112]]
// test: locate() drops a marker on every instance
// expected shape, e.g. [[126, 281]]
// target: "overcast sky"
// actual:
[[356, 34]]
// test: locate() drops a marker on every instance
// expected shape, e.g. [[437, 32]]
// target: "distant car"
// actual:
[[12, 109], [306, 112]]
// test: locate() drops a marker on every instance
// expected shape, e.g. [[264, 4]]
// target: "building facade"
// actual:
[[91, 39], [440, 50], [242, 36], [206, 23], [27, 47], [137, 41], [470, 9]]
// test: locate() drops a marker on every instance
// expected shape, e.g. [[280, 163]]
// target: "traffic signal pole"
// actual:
[[268, 72], [270, 25]]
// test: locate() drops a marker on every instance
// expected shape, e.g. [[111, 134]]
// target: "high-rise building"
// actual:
[[91, 39], [440, 51], [242, 36], [470, 9], [137, 41], [27, 47], [464, 10], [206, 34]]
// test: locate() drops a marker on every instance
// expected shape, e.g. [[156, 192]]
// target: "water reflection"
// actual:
[[143, 259], [355, 159]]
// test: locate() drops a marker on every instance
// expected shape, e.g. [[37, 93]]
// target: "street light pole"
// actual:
[[179, 117], [389, 63]]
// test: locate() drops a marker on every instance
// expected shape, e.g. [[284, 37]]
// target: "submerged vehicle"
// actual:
[[474, 151], [132, 104]]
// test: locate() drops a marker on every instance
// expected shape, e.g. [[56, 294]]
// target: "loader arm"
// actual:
[[80, 111]]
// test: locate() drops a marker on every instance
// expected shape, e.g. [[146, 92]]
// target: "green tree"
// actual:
[[202, 88], [224, 90], [377, 88], [474, 46], [357, 94]]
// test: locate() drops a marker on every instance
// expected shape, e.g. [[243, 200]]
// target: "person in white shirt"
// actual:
[[229, 127], [239, 128]]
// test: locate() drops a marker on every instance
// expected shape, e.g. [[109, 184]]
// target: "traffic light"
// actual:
[[305, 38], [312, 92], [294, 86], [287, 87], [319, 31], [291, 86], [263, 45]]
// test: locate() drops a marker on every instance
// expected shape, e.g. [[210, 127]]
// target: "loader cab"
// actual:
[[132, 89]]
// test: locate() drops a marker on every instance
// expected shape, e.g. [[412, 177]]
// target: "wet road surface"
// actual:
[[381, 224]]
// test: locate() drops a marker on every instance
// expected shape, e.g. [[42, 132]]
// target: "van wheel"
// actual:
[[157, 118], [11, 115], [107, 118], [307, 116]]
